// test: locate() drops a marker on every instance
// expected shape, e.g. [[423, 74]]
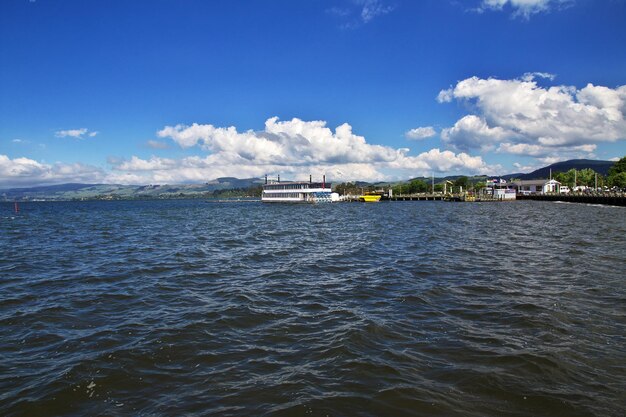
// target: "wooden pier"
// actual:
[[408, 197], [427, 197], [607, 199], [417, 197]]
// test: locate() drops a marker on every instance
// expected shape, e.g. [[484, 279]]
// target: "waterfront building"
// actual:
[[541, 186], [498, 189]]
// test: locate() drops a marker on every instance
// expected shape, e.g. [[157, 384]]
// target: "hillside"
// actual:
[[117, 191], [601, 167]]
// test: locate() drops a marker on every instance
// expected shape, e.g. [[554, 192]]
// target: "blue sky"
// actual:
[[187, 91]]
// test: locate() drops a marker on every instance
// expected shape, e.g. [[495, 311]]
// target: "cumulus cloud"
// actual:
[[524, 8], [293, 147], [28, 172], [473, 132], [420, 133], [520, 117], [292, 142], [538, 150], [198, 169], [75, 133], [436, 160]]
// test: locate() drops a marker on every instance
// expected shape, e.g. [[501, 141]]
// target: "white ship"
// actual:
[[297, 192]]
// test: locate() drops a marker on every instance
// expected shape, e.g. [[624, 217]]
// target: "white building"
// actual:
[[537, 186], [552, 186], [498, 189]]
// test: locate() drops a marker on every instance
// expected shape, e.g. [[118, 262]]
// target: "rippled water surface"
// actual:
[[407, 308]]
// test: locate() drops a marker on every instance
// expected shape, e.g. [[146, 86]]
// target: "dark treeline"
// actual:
[[587, 177]]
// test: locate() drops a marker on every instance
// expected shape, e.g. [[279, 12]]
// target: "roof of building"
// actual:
[[535, 182]]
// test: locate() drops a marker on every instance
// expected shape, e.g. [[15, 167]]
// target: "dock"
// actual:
[[408, 197], [417, 197], [606, 199], [599, 198]]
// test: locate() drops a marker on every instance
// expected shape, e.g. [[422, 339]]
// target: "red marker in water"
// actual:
[[17, 208]]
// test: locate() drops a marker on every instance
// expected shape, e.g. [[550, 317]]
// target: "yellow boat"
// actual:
[[370, 198]]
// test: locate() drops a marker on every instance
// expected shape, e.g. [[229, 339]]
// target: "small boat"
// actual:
[[370, 198]]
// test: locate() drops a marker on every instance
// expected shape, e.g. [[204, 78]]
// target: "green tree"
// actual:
[[346, 188], [618, 167], [398, 189], [418, 186], [586, 177], [617, 174], [565, 178], [617, 180], [461, 182], [479, 185], [412, 187]]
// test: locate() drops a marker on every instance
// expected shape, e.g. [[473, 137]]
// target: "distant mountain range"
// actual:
[[601, 167], [243, 186], [123, 192]]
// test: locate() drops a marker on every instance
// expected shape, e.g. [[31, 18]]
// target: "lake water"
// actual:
[[245, 309]]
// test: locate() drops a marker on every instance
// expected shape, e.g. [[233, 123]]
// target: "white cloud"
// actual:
[[529, 76], [522, 149], [28, 172], [292, 142], [420, 133], [539, 150], [549, 153], [137, 164], [339, 11], [524, 8], [473, 132], [155, 144], [525, 168], [200, 169], [446, 96], [524, 118], [294, 147], [373, 8], [75, 133], [444, 161], [359, 12], [549, 160]]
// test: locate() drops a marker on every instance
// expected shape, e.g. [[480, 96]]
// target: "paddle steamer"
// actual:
[[296, 191]]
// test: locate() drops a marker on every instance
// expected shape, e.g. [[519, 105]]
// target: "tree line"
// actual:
[[616, 178], [587, 177]]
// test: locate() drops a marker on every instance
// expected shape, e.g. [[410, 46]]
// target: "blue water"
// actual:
[[237, 309]]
